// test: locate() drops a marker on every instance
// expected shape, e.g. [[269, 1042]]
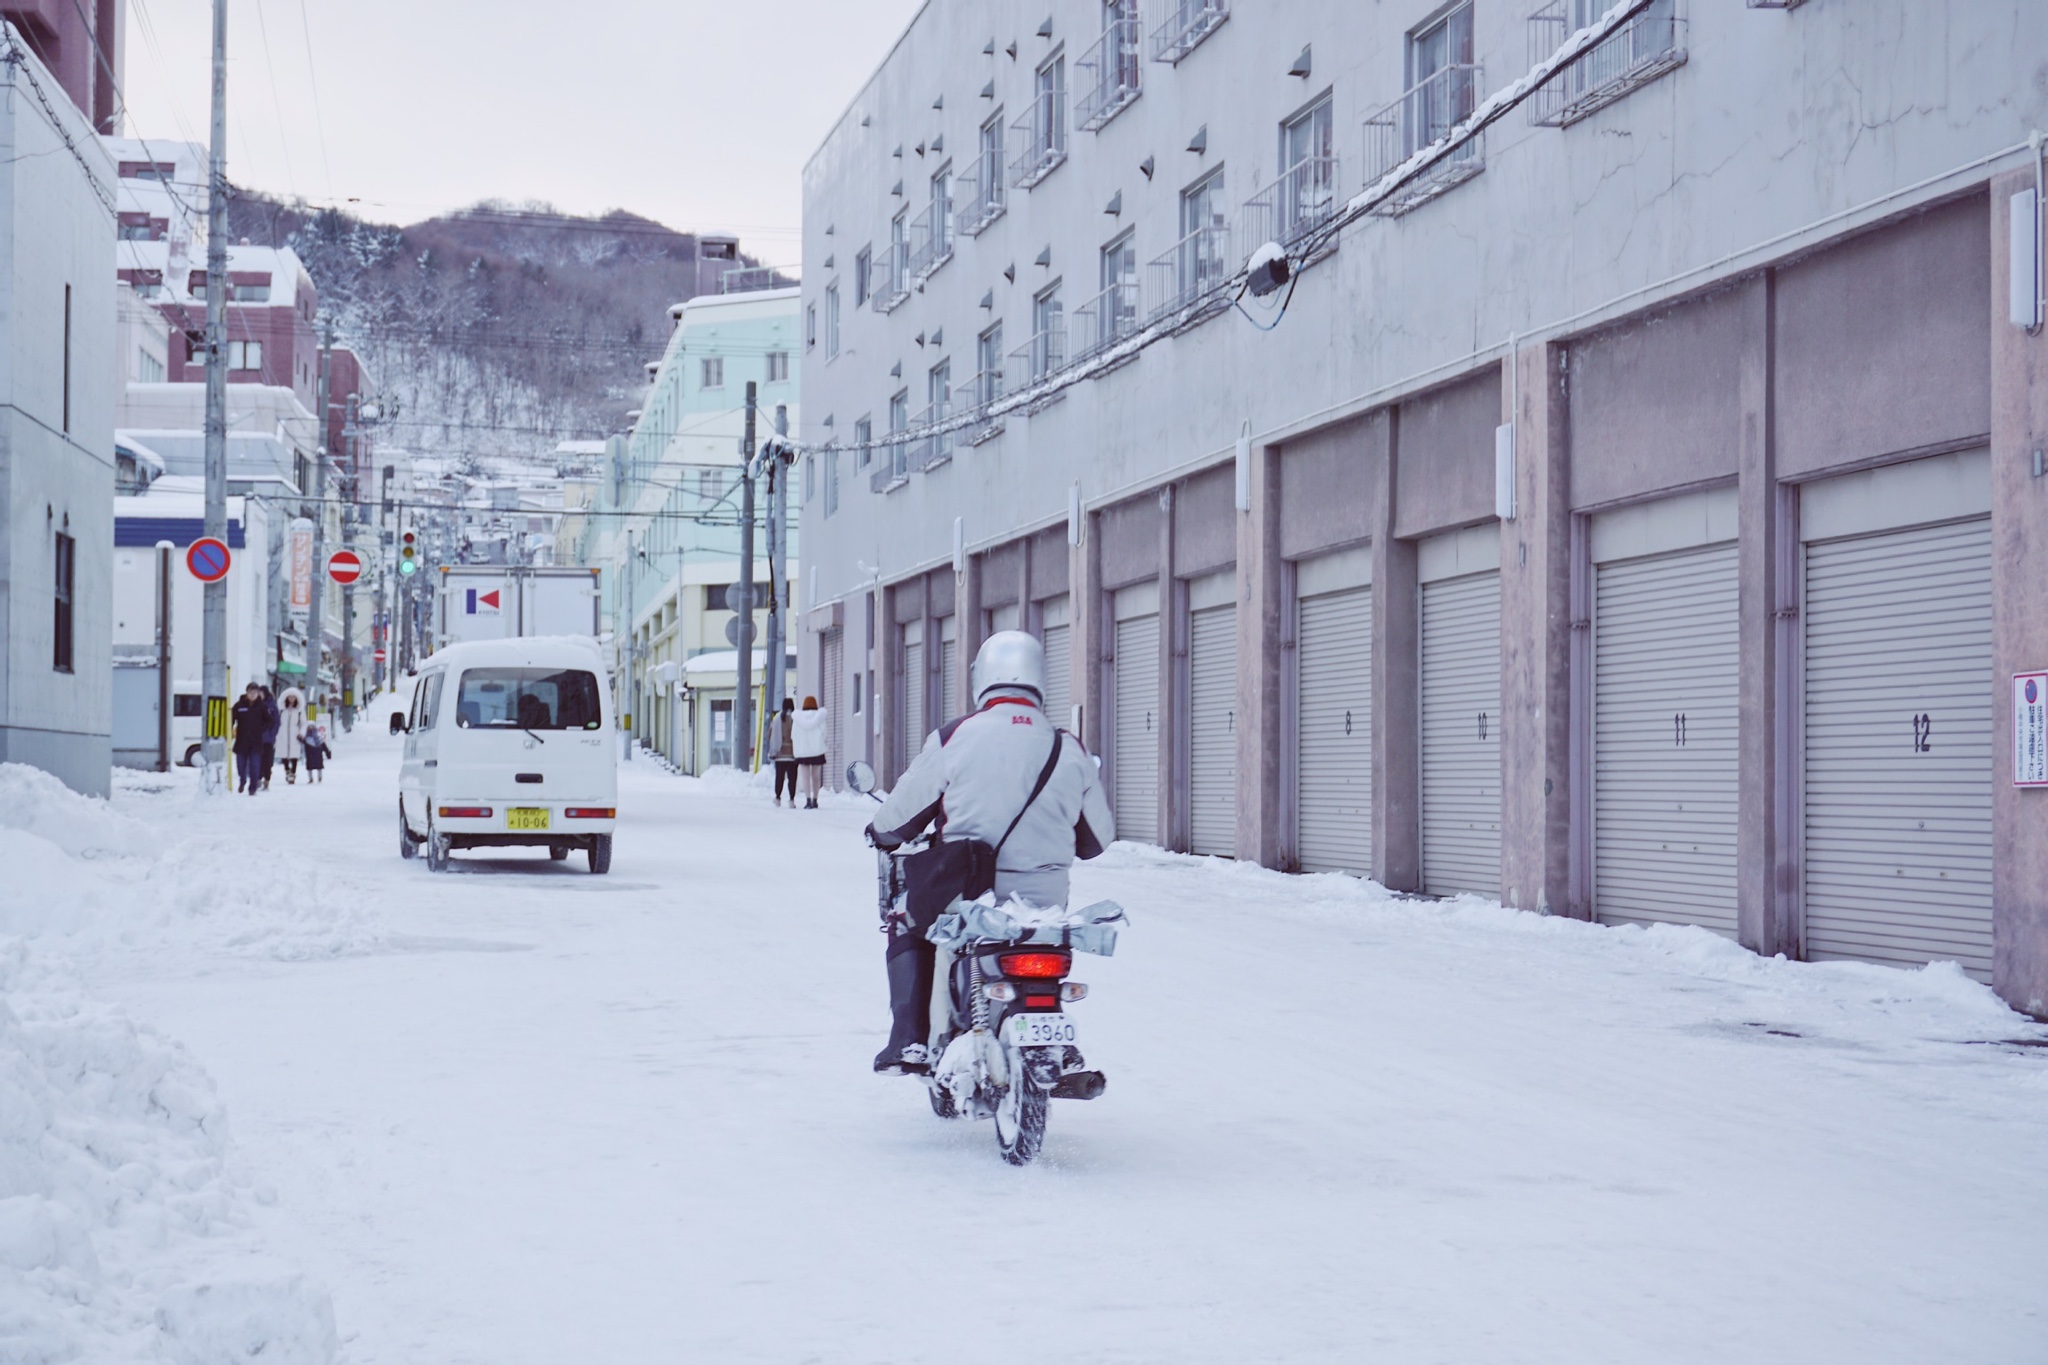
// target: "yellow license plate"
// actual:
[[526, 817]]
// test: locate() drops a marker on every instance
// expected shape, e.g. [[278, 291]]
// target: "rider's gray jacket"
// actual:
[[975, 774]]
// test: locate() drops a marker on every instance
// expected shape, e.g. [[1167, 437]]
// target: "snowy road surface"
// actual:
[[519, 1113]]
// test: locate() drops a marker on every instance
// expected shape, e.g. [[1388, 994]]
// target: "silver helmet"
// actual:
[[1009, 658]]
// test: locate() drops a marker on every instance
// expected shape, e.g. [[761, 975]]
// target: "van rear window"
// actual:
[[528, 699]]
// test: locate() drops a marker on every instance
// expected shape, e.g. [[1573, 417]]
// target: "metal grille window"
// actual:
[[831, 320], [1444, 85], [898, 466], [1305, 195], [1047, 349], [863, 276], [988, 383], [831, 482], [864, 443], [1648, 44], [64, 576], [931, 235], [892, 272], [1183, 26], [1112, 314], [936, 448], [1043, 127], [1200, 260], [981, 187], [1108, 72]]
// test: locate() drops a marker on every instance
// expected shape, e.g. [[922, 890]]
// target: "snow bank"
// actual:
[[34, 801]]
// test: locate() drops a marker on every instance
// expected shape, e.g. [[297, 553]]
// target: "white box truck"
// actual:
[[501, 602]]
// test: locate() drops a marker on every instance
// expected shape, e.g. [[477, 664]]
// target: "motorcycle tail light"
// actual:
[[1073, 990], [1041, 965], [465, 812], [999, 990], [1040, 1001]]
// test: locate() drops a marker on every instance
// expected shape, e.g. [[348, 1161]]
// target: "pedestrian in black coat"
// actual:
[[249, 718]]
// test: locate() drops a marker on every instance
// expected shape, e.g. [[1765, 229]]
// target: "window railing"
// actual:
[[1042, 131], [1644, 47], [1106, 319], [892, 464], [931, 241], [980, 191], [1419, 118], [1042, 355], [747, 278], [1296, 204], [1108, 74], [891, 281], [935, 449], [1182, 26], [988, 387], [1196, 264]]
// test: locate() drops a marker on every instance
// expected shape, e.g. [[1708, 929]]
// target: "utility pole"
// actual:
[[349, 516], [778, 554], [632, 688], [164, 690], [743, 634], [214, 646], [316, 629]]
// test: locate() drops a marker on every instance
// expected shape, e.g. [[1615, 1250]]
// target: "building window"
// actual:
[[831, 482], [899, 252], [988, 366], [1201, 259], [67, 358], [149, 368], [1113, 313], [810, 326], [710, 485], [1645, 46], [711, 372], [134, 227], [863, 276], [161, 171], [65, 579], [832, 320], [810, 477], [778, 367], [1442, 91], [1108, 72], [1305, 195], [863, 443], [244, 291], [1043, 126], [245, 355], [1047, 349], [899, 421], [985, 181]]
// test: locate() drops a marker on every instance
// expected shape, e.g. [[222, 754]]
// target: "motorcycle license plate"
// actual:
[[1041, 1030], [526, 817]]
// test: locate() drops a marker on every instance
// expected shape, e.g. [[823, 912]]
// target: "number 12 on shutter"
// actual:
[[2030, 729]]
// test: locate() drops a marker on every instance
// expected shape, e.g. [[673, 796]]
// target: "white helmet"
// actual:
[[1010, 658]]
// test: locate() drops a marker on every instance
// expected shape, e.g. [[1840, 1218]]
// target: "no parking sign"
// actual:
[[2030, 729]]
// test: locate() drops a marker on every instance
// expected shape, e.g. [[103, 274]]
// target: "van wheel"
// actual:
[[191, 758], [437, 849], [406, 847], [600, 853], [558, 853]]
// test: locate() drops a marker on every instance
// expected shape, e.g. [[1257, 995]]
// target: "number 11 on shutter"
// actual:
[[2030, 729]]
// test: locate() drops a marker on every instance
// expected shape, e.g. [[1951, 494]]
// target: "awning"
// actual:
[[287, 666]]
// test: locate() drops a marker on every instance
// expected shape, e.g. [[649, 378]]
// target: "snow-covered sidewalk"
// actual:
[[519, 1113]]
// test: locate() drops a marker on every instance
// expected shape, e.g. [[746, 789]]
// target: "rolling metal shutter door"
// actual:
[[1058, 672], [1665, 778], [1333, 733], [1137, 729], [910, 735], [1212, 731], [1897, 813], [949, 673], [834, 687], [1461, 735]]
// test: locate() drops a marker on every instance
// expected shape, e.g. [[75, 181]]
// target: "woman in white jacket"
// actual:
[[807, 738], [291, 731]]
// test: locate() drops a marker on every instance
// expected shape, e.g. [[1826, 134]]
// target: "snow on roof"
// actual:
[[137, 451], [526, 651]]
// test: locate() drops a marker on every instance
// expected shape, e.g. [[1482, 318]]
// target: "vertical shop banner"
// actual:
[[302, 564], [2030, 729]]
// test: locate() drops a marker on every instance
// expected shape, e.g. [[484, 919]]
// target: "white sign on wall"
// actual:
[[2030, 729]]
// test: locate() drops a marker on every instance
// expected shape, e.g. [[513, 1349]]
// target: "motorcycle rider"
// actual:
[[972, 779]]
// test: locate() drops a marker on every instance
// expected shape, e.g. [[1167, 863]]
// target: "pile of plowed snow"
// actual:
[[123, 1236]]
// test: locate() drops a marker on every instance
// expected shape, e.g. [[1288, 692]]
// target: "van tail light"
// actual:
[[1039, 965], [591, 812], [465, 812]]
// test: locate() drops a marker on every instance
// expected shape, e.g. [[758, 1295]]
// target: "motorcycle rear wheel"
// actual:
[[942, 1102], [1020, 1121]]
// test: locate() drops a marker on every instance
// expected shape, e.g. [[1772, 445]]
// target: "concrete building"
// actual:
[[57, 389], [1630, 511], [665, 529], [82, 48]]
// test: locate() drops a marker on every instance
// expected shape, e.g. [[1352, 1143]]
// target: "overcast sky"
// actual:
[[694, 113]]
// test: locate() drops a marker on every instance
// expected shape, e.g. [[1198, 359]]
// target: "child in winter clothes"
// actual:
[[317, 752]]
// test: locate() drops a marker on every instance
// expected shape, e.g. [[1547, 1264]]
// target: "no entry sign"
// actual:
[[208, 559], [344, 566]]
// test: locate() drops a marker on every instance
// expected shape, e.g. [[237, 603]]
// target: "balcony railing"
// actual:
[[1045, 353], [746, 279], [892, 465], [1646, 46], [931, 241], [1042, 131], [1105, 320], [979, 190], [1416, 120], [1196, 264], [931, 451], [1107, 74], [1294, 205], [1183, 24], [988, 387], [891, 280]]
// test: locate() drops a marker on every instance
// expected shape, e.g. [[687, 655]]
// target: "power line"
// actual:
[[313, 84], [276, 99]]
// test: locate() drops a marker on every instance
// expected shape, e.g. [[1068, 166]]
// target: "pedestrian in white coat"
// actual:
[[807, 739], [291, 731]]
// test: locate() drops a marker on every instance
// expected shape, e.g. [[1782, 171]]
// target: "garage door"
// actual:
[[1461, 716], [913, 726], [1059, 663], [1896, 844], [1212, 716], [1664, 738], [833, 682], [1136, 754], [949, 704], [1333, 714]]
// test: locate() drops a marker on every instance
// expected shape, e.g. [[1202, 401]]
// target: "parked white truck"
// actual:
[[501, 602]]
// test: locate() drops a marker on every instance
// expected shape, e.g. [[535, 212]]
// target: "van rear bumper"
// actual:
[[575, 838]]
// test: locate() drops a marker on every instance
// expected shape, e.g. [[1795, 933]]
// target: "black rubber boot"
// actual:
[[910, 993]]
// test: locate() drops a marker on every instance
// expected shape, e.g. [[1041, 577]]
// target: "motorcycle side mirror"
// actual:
[[860, 777]]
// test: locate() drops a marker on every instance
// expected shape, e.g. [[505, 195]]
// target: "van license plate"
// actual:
[[526, 817], [1041, 1030]]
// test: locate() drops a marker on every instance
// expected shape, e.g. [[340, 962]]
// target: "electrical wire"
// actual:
[[276, 99], [313, 85]]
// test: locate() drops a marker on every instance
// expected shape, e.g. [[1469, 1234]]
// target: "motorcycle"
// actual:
[[1002, 1045]]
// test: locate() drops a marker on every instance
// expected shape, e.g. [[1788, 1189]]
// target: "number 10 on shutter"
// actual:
[[2030, 729]]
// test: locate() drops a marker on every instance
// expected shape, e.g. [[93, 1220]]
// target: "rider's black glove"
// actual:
[[877, 839]]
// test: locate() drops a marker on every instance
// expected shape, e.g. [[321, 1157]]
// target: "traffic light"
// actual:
[[408, 553]]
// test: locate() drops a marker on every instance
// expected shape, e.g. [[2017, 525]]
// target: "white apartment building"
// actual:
[[1631, 509]]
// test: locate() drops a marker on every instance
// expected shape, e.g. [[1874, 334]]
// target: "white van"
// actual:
[[510, 742]]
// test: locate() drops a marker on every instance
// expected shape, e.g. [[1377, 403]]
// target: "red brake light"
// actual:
[[1034, 964], [465, 812], [591, 812]]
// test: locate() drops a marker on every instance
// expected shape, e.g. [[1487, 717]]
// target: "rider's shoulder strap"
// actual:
[[1052, 761]]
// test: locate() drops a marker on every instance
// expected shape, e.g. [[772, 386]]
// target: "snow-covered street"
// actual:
[[520, 1113]]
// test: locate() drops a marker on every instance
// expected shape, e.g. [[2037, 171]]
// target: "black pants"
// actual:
[[785, 773]]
